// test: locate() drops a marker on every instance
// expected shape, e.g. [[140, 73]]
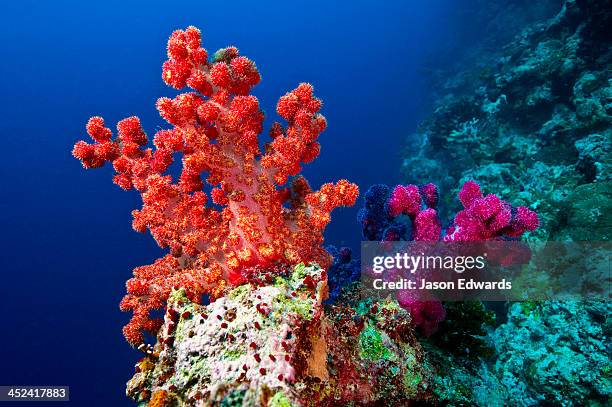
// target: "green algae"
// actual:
[[371, 345], [238, 292], [299, 272], [303, 308], [413, 375], [280, 282], [196, 371], [412, 379], [233, 354], [279, 400], [178, 295], [186, 306], [531, 308]]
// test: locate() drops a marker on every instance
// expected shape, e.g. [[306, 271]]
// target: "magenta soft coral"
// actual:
[[488, 217], [261, 222], [419, 204], [483, 218]]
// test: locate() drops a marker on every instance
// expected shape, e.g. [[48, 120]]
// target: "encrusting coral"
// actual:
[[273, 345], [556, 352], [216, 129], [248, 345]]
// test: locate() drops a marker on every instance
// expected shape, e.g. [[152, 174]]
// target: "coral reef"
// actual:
[[252, 221], [480, 28], [265, 338], [246, 348], [532, 121], [286, 324], [556, 353], [409, 213], [535, 125], [276, 345]]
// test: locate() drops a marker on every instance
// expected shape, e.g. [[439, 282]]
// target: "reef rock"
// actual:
[[556, 353], [274, 345], [532, 120], [247, 348]]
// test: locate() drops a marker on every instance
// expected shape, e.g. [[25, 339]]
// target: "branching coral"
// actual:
[[248, 219]]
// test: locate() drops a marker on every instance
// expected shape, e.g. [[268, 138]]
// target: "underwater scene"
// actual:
[[397, 203]]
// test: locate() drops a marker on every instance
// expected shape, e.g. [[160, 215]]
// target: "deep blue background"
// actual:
[[67, 243]]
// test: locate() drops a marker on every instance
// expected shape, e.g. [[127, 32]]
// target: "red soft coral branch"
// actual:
[[216, 129]]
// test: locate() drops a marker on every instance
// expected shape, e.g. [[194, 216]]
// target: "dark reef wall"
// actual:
[[531, 120], [476, 31]]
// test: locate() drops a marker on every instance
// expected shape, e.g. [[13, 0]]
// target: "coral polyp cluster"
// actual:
[[488, 217], [250, 218], [483, 217], [409, 213]]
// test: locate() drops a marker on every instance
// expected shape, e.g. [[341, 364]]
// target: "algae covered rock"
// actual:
[[595, 156], [556, 353], [276, 345], [533, 121], [589, 214], [374, 356], [247, 348]]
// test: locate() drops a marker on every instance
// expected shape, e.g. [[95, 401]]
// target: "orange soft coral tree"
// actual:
[[253, 220]]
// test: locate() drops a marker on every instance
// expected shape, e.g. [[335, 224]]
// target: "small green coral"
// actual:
[[299, 272], [412, 379], [371, 345], [233, 354], [238, 292], [279, 400], [302, 307], [531, 308]]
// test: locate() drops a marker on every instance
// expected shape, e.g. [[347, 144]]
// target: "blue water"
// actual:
[[67, 242]]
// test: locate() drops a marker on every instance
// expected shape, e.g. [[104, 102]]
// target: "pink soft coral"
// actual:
[[484, 218], [488, 217]]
